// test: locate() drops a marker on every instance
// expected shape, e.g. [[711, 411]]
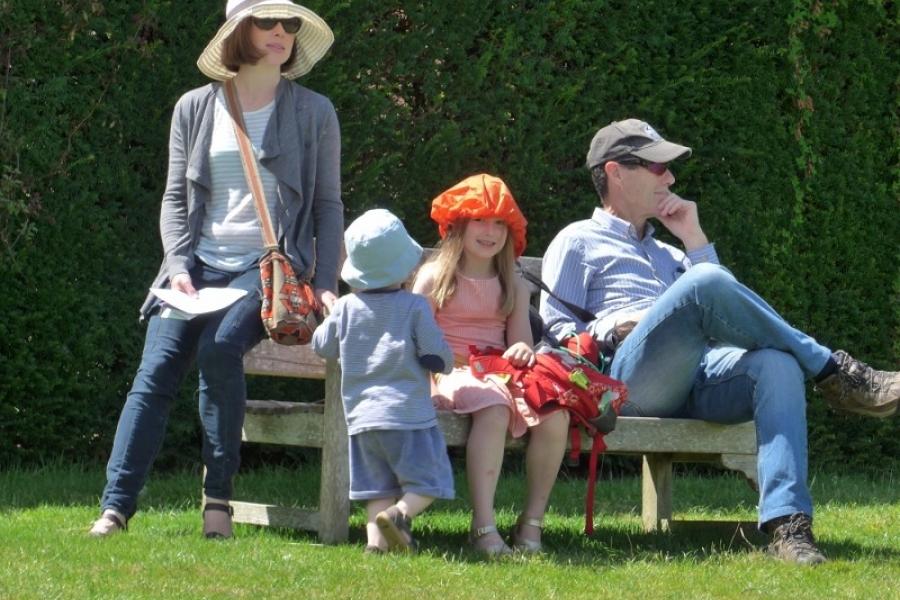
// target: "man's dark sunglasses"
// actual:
[[289, 25], [654, 167]]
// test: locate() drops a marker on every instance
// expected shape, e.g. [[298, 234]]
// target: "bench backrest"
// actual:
[[269, 358]]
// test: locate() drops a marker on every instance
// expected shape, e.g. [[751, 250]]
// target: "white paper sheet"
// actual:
[[208, 300]]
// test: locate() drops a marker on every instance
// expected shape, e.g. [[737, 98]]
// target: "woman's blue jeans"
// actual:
[[711, 349], [218, 342]]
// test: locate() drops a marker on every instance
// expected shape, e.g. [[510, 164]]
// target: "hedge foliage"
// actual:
[[790, 107]]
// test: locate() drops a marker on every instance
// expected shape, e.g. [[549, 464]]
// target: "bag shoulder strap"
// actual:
[[248, 160], [582, 313]]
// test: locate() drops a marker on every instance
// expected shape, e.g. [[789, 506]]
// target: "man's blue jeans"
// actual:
[[218, 341], [711, 349]]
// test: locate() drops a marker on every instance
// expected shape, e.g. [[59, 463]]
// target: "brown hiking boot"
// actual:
[[858, 388], [793, 541]]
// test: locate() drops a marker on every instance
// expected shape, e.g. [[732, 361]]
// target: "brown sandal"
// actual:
[[211, 533]]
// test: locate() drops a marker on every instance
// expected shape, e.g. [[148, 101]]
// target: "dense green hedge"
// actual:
[[790, 108]]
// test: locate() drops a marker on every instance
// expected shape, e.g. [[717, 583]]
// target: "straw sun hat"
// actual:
[[312, 41]]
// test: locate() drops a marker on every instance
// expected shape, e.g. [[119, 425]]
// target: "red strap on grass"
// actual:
[[596, 448]]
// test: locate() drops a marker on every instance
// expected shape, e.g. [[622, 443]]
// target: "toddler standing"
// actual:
[[388, 343], [480, 300]]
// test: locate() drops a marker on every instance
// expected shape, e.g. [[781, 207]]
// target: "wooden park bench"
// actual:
[[660, 443]]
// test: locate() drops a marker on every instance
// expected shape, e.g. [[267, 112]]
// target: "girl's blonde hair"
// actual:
[[450, 254]]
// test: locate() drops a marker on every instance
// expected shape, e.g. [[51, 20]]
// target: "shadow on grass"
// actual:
[[442, 531], [608, 546]]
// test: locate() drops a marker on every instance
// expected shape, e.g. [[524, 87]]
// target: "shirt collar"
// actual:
[[621, 226]]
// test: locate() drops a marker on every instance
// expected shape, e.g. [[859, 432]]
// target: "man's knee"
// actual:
[[775, 367], [780, 382], [709, 276]]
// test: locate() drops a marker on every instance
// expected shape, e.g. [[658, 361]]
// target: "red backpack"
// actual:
[[563, 378]]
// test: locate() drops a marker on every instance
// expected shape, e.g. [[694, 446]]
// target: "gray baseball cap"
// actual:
[[632, 137]]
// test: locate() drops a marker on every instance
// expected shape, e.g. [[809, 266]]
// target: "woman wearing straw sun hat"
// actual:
[[211, 237]]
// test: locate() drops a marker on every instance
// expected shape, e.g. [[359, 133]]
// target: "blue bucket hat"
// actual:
[[380, 252]]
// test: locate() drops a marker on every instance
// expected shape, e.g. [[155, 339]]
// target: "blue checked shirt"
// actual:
[[601, 264]]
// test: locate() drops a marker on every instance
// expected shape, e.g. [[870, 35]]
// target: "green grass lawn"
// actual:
[[45, 552]]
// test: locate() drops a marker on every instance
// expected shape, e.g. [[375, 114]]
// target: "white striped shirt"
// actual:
[[230, 238], [602, 265]]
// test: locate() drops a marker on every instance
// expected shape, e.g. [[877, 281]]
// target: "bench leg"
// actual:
[[745, 464], [334, 501], [656, 493]]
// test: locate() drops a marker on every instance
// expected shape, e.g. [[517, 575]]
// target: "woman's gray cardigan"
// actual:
[[301, 147]]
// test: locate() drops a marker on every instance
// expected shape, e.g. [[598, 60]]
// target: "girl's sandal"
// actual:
[[521, 544], [217, 528], [494, 550]]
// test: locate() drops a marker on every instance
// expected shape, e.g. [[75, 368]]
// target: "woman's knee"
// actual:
[[159, 376], [220, 357]]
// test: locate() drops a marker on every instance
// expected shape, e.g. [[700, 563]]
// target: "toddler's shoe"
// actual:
[[396, 529]]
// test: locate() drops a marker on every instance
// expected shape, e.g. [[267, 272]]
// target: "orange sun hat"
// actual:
[[480, 197]]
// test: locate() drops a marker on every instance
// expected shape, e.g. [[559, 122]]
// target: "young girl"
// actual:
[[479, 300]]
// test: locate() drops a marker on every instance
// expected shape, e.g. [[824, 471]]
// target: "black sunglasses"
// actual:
[[656, 168], [289, 25]]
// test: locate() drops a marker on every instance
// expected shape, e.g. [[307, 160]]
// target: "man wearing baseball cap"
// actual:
[[687, 337]]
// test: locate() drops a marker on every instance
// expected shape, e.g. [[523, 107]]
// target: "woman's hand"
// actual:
[[326, 298], [520, 354], [182, 283]]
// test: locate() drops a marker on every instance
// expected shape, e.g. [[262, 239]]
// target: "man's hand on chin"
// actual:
[[680, 217]]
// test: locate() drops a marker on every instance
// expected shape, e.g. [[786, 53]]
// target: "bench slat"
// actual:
[[269, 358], [275, 516], [300, 427], [636, 435]]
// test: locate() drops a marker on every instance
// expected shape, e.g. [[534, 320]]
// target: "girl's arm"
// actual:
[[518, 329], [431, 348], [424, 283]]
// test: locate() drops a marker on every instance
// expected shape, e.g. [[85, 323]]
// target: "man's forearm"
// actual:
[[695, 240]]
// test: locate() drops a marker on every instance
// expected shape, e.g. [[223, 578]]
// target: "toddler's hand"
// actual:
[[326, 299], [520, 354]]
